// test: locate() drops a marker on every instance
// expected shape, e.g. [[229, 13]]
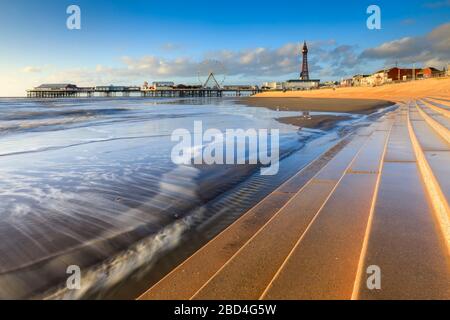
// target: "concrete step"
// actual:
[[185, 280], [438, 107], [436, 120], [403, 238], [433, 157], [325, 259], [443, 100], [250, 270]]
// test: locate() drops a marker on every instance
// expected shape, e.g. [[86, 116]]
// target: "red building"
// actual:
[[398, 74], [431, 72]]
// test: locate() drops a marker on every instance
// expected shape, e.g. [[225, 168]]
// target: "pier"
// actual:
[[72, 91]]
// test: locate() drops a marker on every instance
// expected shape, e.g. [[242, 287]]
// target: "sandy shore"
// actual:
[[323, 122], [348, 100], [316, 104], [392, 92], [272, 252]]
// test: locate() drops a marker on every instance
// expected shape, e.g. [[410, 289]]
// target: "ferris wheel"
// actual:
[[211, 74]]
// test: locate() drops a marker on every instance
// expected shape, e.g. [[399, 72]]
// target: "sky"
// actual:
[[127, 42]]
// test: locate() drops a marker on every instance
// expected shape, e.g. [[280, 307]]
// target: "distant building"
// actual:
[[57, 87], [301, 84], [239, 87], [329, 84], [186, 87], [115, 88], [163, 85], [430, 73], [291, 85], [390, 75], [448, 70], [360, 80], [399, 74], [272, 86], [346, 82]]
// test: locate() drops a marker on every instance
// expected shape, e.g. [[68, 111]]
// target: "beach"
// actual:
[[390, 92], [295, 101], [359, 100], [330, 110], [103, 188], [379, 202]]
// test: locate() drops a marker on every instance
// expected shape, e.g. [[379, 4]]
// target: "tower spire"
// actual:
[[304, 75]]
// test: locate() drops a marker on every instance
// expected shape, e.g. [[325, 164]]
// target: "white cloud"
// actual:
[[31, 69], [328, 59], [432, 49]]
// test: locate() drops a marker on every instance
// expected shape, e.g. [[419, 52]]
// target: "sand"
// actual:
[[322, 121], [363, 100], [439, 87], [316, 104]]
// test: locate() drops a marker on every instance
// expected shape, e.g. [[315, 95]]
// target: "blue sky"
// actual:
[[131, 41]]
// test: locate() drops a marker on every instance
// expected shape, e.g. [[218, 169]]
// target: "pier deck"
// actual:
[[138, 92], [381, 200]]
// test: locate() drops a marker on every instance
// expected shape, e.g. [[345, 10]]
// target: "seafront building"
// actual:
[[293, 85], [112, 88], [360, 80], [431, 73], [391, 75], [163, 85], [272, 85], [56, 87], [301, 84], [347, 82]]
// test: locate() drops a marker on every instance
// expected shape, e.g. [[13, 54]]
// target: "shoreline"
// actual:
[[192, 241], [242, 196], [322, 121], [242, 227], [282, 256], [317, 122], [338, 105], [311, 167]]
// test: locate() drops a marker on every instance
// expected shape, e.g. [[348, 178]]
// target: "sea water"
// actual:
[[90, 183]]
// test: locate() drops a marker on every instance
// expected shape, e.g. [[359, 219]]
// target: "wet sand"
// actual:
[[348, 105], [321, 122]]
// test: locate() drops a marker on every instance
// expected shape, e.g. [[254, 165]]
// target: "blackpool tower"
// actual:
[[305, 70]]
